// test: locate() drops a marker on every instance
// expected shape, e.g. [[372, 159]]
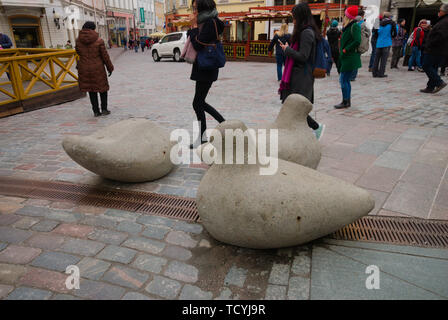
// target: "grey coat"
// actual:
[[302, 79]]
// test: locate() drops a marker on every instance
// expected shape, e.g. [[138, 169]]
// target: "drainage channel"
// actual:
[[390, 230], [143, 202]]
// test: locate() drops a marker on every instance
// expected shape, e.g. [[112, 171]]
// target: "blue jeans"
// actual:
[[415, 57], [344, 80], [280, 63], [354, 75], [431, 64]]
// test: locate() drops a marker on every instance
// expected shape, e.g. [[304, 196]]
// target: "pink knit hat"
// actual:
[[351, 12]]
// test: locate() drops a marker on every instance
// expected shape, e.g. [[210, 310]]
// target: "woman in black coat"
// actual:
[[205, 25], [305, 34]]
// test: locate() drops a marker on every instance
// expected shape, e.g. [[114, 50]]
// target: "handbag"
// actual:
[[189, 54], [212, 56]]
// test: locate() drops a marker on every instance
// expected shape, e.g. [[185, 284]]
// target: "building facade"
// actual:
[[159, 8], [145, 16], [77, 12], [239, 30], [120, 21], [130, 19], [49, 23], [33, 23]]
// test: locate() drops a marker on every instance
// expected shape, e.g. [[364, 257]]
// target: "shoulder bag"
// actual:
[[189, 54], [212, 56]]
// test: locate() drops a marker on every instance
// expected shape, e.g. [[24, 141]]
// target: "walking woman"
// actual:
[[205, 26], [92, 76], [284, 37], [298, 75], [349, 58]]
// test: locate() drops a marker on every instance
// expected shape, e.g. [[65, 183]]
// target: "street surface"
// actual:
[[393, 142]]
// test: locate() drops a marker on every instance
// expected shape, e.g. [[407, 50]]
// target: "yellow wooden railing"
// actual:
[[28, 73]]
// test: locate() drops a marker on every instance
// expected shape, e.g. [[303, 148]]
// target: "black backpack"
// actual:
[[393, 30]]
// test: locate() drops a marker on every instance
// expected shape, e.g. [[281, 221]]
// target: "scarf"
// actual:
[[286, 78], [204, 15]]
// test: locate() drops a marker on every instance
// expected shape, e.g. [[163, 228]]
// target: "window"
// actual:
[[165, 39], [175, 37], [25, 20]]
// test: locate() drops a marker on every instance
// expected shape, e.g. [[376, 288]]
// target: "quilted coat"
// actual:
[[93, 57]]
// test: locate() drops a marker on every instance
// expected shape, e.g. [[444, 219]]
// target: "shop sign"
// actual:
[[142, 15]]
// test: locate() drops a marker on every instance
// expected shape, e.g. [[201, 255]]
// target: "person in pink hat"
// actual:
[[349, 57]]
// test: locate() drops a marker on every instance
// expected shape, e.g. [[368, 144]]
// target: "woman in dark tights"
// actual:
[[301, 52], [205, 29]]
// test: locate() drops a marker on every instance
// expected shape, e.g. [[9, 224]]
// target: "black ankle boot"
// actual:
[[105, 112], [343, 104]]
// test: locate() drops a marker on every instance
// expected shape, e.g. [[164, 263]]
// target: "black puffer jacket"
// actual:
[[333, 35], [206, 35], [437, 41]]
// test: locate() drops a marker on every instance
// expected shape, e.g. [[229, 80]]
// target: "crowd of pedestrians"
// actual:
[[296, 54]]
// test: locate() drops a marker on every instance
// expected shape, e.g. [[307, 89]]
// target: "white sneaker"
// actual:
[[319, 132]]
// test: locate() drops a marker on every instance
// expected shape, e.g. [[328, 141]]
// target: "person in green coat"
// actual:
[[349, 57]]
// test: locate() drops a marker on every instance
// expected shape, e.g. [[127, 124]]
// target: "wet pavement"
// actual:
[[392, 142]]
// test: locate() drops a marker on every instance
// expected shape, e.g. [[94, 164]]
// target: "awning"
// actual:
[[157, 35], [181, 22]]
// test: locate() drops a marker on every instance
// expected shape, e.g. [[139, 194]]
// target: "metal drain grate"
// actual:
[[396, 230], [391, 230], [144, 202]]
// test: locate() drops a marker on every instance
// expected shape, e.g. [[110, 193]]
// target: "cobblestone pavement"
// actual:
[[124, 255], [403, 166]]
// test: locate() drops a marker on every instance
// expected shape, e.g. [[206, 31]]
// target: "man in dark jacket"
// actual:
[[373, 40], [333, 36], [436, 52], [5, 42], [397, 44]]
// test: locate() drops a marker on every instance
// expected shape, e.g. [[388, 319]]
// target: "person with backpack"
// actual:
[[416, 42], [397, 44], [327, 55], [386, 32], [333, 36], [300, 60], [350, 58], [365, 36], [206, 26], [284, 37], [436, 52]]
